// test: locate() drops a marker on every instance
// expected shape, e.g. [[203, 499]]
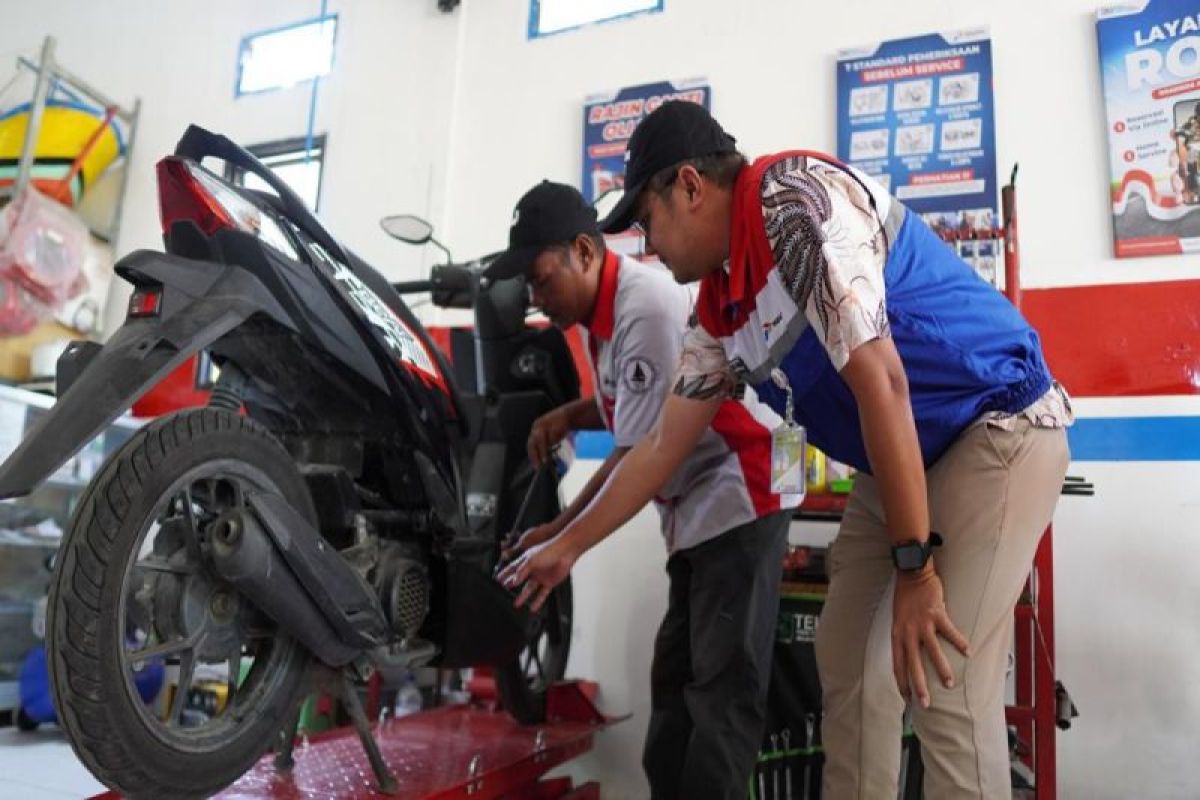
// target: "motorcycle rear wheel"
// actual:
[[524, 682], [133, 587]]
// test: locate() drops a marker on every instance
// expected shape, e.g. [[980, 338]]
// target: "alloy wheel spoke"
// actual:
[[235, 669], [163, 649], [187, 667]]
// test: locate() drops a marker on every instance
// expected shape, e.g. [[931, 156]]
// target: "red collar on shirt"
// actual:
[[601, 321], [727, 296]]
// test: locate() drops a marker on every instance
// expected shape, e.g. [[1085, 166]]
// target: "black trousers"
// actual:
[[712, 663]]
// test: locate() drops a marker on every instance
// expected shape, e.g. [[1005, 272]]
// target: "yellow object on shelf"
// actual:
[[66, 130], [814, 469]]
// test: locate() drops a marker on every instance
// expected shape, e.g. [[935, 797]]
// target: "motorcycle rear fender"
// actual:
[[201, 302]]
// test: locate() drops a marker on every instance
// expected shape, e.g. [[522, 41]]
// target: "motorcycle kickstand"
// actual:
[[287, 741], [353, 706]]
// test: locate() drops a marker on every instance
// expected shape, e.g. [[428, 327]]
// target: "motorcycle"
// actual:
[[337, 508]]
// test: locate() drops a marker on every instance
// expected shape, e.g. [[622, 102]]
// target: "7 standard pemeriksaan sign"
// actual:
[[1150, 68]]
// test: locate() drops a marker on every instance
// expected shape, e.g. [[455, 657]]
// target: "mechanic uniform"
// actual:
[[725, 532]]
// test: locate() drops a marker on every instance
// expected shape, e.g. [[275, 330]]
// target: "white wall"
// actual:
[[386, 107], [1128, 641], [1127, 634], [771, 66], [620, 593], [454, 116]]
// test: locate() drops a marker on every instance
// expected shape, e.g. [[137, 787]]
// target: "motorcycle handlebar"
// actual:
[[452, 285], [442, 278], [411, 287], [453, 277]]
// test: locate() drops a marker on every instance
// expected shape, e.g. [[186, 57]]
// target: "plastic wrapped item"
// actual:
[[19, 311], [408, 700], [83, 313], [841, 477], [45, 248]]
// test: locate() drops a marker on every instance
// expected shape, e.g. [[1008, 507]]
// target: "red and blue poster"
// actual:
[[609, 120], [1150, 68], [917, 114]]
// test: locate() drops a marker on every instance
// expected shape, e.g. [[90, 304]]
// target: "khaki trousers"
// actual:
[[991, 496]]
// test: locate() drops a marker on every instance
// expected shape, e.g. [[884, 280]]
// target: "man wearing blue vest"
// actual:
[[852, 319]]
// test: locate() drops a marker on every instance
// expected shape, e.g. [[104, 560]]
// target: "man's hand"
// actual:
[[540, 569], [548, 430], [533, 536], [918, 617]]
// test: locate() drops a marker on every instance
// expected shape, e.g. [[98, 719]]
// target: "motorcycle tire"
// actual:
[[110, 729]]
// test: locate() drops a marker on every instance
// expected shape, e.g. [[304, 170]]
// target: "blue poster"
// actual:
[[917, 114], [609, 120], [1150, 67]]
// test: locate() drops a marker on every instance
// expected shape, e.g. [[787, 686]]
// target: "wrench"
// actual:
[[774, 768], [809, 755], [818, 758], [786, 735]]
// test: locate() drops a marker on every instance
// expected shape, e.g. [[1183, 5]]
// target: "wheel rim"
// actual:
[[175, 610], [548, 636]]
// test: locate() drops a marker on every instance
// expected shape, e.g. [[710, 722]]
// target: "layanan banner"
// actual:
[[1150, 68]]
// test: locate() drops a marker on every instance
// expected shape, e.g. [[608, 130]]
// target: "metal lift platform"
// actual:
[[446, 753]]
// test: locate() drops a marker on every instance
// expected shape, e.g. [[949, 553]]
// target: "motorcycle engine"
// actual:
[[402, 582]]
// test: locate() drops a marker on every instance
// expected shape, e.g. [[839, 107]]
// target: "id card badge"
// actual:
[[787, 459], [787, 445]]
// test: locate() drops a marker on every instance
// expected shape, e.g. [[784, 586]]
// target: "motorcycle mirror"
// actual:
[[407, 228]]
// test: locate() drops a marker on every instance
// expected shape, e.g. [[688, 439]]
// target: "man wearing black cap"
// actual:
[[725, 529], [848, 316]]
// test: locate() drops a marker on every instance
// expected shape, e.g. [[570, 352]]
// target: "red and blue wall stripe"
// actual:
[[1106, 341], [1124, 340]]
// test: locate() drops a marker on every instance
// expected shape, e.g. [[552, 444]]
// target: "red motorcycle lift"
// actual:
[[442, 754]]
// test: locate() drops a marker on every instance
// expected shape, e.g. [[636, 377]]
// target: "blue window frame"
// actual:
[[547, 17], [279, 58], [300, 162]]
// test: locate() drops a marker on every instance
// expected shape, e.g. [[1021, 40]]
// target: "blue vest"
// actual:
[[966, 351]]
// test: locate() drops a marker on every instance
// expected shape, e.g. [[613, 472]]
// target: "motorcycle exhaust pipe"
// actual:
[[244, 555]]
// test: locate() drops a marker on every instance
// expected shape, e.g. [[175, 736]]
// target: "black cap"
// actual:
[[675, 131], [548, 214]]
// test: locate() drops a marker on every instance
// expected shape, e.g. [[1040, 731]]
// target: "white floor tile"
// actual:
[[13, 790], [42, 760]]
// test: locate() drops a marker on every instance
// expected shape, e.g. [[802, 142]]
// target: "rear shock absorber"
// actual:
[[227, 393]]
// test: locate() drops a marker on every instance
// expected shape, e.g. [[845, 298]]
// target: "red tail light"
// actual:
[[188, 192], [181, 197]]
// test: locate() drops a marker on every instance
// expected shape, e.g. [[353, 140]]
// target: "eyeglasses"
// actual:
[[642, 224]]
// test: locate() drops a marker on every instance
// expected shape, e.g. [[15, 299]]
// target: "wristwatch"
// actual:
[[912, 556]]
